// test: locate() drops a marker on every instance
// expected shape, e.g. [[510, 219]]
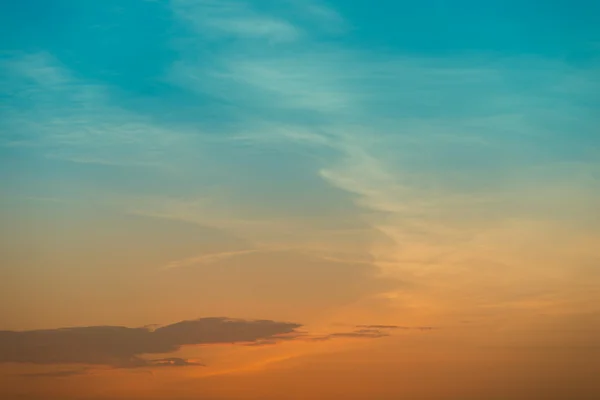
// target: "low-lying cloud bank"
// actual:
[[123, 347]]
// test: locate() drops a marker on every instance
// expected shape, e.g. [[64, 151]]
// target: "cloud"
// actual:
[[435, 152], [382, 327], [66, 117], [360, 333], [327, 18], [365, 332], [394, 327], [234, 19], [212, 258], [286, 22], [273, 29], [173, 362], [208, 258], [123, 347]]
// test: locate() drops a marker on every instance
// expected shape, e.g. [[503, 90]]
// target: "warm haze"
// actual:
[[293, 199]]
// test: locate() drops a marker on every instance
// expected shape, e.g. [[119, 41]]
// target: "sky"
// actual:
[[294, 199]]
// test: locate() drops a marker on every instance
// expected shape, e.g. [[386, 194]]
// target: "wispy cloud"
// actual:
[[328, 18], [419, 142], [235, 19], [284, 22], [211, 258], [439, 154], [72, 119], [367, 332], [208, 258], [393, 327]]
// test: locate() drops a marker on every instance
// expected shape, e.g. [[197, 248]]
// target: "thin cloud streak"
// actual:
[[233, 18], [208, 258]]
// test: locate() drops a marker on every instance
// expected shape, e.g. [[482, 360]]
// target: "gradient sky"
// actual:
[[292, 199]]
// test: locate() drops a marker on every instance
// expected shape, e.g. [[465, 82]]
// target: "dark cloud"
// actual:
[[123, 347], [296, 335]]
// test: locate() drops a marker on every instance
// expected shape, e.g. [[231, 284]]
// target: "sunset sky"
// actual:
[[293, 199]]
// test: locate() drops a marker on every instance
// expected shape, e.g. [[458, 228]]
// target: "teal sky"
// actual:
[[438, 160], [190, 98]]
